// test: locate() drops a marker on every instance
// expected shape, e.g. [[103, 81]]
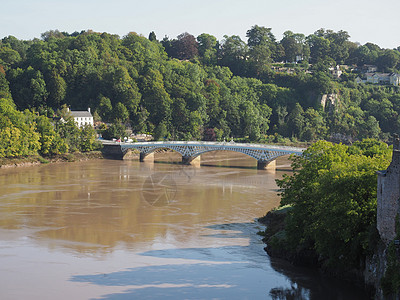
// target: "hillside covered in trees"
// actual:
[[189, 87]]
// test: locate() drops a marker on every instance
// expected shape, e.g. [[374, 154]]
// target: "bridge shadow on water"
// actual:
[[227, 272], [206, 165], [225, 166]]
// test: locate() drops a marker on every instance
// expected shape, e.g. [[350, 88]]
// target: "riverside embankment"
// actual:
[[37, 160]]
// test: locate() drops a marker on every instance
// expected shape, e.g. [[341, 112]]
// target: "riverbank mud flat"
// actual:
[[13, 162]]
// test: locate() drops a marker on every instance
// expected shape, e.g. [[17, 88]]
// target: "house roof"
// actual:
[[81, 114], [377, 74]]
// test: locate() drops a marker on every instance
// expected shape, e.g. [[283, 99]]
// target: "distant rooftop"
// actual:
[[81, 113]]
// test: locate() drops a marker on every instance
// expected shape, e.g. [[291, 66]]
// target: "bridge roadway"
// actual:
[[191, 150]]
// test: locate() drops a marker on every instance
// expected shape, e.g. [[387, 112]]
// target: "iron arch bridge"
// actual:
[[264, 154]]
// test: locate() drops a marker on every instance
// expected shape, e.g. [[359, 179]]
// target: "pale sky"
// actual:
[[365, 20]]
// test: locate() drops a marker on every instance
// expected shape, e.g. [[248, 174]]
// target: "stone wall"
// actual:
[[388, 194]]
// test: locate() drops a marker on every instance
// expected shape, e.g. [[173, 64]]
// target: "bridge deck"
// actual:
[[264, 154], [219, 145]]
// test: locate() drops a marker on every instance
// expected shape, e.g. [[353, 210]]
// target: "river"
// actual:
[[108, 229]]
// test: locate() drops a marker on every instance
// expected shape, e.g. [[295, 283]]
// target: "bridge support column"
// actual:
[[147, 157], [194, 161], [266, 165], [113, 152]]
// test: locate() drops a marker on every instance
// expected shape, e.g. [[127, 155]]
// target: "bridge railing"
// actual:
[[212, 144]]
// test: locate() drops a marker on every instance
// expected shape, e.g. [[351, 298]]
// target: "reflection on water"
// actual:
[[213, 272], [123, 229]]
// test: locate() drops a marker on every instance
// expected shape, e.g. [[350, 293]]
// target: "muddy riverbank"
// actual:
[[27, 161]]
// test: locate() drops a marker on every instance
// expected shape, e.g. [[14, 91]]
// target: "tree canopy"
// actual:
[[332, 195], [262, 89]]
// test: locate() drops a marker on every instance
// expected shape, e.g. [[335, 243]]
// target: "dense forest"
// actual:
[[263, 90]]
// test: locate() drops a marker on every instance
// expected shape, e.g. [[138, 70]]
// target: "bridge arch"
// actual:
[[271, 156]]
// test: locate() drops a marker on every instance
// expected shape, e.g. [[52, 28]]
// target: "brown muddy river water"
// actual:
[[110, 229]]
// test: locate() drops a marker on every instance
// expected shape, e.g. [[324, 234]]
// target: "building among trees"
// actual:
[[82, 118]]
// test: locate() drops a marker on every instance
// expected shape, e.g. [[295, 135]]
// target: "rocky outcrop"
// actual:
[[329, 102]]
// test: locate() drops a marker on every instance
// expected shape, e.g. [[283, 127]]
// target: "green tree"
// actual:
[[290, 45], [262, 47], [180, 116], [155, 98], [296, 121], [339, 45], [50, 140], [294, 46], [39, 91], [57, 89], [332, 193], [207, 46], [314, 125], [105, 108], [388, 60], [319, 48], [120, 112], [18, 135], [4, 85], [259, 36], [139, 122], [69, 132], [115, 131], [17, 45], [88, 139], [9, 57], [152, 36], [233, 54], [160, 132]]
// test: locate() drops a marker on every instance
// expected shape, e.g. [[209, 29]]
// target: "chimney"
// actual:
[[88, 109]]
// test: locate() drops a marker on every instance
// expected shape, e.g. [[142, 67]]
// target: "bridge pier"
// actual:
[[189, 160], [113, 152], [266, 165], [147, 157]]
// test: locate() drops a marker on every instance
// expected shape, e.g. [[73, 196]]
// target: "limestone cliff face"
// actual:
[[388, 195], [329, 102]]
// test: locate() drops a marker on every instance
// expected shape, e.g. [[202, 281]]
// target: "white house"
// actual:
[[360, 80], [395, 79], [335, 71], [82, 118], [381, 78]]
